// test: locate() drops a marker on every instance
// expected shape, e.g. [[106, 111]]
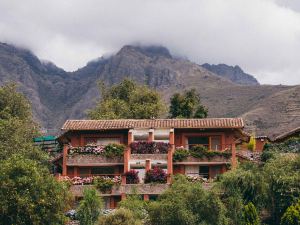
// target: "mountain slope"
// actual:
[[233, 73], [57, 95]]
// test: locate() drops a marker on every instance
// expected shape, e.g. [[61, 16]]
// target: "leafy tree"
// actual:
[[136, 205], [250, 215], [17, 127], [282, 175], [291, 215], [127, 100], [29, 194], [187, 105], [187, 203], [90, 207], [121, 216]]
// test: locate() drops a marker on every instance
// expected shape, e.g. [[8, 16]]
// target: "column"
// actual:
[[151, 135], [147, 165], [65, 155], [170, 155], [233, 157], [146, 197]]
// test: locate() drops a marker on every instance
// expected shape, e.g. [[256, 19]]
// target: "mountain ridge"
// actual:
[[57, 95]]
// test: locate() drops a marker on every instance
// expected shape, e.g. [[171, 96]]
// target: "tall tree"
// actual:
[[127, 100], [17, 127], [187, 105], [90, 207], [29, 195]]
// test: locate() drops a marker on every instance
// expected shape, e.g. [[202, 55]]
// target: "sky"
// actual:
[[261, 36]]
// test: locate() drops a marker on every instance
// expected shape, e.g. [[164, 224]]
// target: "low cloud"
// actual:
[[262, 36]]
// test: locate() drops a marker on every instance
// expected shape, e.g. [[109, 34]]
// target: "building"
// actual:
[[151, 143], [292, 133]]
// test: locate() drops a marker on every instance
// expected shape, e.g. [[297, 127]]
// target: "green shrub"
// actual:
[[291, 215], [103, 184], [250, 215], [114, 150], [90, 207], [180, 154], [198, 151], [119, 217]]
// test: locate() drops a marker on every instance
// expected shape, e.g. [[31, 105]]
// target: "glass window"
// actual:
[[103, 170], [198, 140], [216, 143], [204, 171], [84, 172]]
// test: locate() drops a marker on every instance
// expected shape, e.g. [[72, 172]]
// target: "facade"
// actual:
[[148, 144]]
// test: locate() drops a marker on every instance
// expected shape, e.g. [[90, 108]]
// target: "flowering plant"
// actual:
[[110, 150], [149, 147], [90, 180], [156, 175], [132, 177]]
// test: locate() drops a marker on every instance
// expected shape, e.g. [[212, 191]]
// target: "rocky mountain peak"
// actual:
[[233, 73], [150, 51]]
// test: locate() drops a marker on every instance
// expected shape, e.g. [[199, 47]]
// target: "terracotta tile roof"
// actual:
[[153, 123]]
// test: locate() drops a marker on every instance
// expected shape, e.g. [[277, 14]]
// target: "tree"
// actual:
[[282, 175], [187, 105], [136, 205], [17, 127], [127, 100], [187, 203], [90, 207], [250, 215], [29, 194], [291, 215], [121, 216]]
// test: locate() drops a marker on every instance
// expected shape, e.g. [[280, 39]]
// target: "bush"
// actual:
[[114, 150], [119, 217], [90, 207], [198, 151], [149, 147], [180, 154], [291, 215], [250, 215], [104, 184], [156, 175], [132, 177]]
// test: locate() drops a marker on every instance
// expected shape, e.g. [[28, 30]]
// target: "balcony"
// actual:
[[152, 189]]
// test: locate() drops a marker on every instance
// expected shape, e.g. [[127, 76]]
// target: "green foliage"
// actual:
[[103, 184], [198, 151], [291, 145], [250, 215], [17, 128], [187, 203], [119, 217], [127, 100], [187, 105], [252, 144], [29, 194], [248, 181], [114, 150], [282, 175], [136, 205], [180, 154], [90, 207], [291, 215]]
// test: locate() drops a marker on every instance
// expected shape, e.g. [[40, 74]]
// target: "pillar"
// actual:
[[127, 152], [65, 155], [123, 196], [76, 171], [170, 155], [146, 197], [233, 156], [148, 165], [151, 135]]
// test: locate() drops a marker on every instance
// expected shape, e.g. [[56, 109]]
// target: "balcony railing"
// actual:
[[151, 147], [225, 147]]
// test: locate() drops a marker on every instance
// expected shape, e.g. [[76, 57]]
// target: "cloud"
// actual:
[[262, 36]]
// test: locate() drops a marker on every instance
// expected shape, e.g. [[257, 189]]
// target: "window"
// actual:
[[216, 143], [204, 171], [102, 141], [103, 170], [84, 172], [198, 140]]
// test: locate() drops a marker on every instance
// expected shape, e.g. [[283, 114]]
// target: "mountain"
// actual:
[[233, 73], [57, 95]]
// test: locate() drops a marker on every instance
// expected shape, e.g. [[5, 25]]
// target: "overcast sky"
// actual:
[[262, 36]]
